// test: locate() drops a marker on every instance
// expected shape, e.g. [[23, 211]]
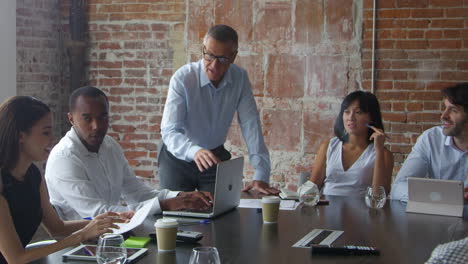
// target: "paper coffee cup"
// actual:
[[270, 209], [166, 234]]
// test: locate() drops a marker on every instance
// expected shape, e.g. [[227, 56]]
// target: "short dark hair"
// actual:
[[457, 95], [223, 33], [17, 114], [368, 103], [89, 91]]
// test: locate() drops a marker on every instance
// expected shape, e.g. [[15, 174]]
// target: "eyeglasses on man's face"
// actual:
[[210, 57]]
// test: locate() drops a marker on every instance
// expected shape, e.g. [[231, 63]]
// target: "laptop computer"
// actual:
[[227, 190], [434, 196]]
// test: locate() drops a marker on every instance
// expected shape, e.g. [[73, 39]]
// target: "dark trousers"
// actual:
[[180, 175]]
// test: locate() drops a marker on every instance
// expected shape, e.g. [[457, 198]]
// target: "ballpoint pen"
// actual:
[[194, 222], [369, 126]]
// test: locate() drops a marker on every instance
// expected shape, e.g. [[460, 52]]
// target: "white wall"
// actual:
[[7, 48]]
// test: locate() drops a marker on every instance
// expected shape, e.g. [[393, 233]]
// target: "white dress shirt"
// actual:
[[355, 180], [434, 156], [198, 115], [85, 184]]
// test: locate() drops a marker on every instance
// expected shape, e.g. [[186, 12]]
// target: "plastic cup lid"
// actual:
[[271, 199], [166, 223]]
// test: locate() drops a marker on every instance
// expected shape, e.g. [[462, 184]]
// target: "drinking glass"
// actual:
[[111, 249], [309, 193], [204, 255], [375, 197]]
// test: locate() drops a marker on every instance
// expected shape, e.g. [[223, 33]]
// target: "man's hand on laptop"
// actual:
[[262, 187], [188, 200], [465, 194], [205, 159]]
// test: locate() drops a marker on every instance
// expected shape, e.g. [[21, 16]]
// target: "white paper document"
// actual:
[[136, 220], [257, 203]]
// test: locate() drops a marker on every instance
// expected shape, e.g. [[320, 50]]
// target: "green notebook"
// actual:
[[137, 242]]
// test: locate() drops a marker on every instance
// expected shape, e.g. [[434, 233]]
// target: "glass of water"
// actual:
[[111, 249], [309, 193], [375, 197], [204, 255]]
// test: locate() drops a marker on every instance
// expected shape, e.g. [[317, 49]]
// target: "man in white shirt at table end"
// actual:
[[440, 152], [87, 173]]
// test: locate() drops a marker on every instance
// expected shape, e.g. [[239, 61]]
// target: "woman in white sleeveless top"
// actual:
[[356, 158]]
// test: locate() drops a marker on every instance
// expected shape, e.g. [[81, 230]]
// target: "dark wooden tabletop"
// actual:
[[241, 237]]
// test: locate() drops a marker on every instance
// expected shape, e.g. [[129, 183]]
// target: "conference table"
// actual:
[[241, 237]]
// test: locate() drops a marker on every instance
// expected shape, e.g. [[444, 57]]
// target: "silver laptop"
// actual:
[[227, 190], [433, 196]]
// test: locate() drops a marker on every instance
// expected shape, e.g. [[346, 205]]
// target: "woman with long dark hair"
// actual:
[[356, 158], [26, 136]]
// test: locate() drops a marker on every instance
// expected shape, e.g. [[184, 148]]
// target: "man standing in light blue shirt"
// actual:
[[202, 99], [440, 152]]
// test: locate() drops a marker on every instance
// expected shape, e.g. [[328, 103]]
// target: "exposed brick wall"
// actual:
[[422, 47], [40, 55], [302, 56], [294, 51], [134, 49]]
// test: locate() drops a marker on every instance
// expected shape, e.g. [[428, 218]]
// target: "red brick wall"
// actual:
[[40, 60], [295, 52], [422, 47], [303, 57], [132, 58]]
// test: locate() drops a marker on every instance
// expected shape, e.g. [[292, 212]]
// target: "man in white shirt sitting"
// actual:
[[440, 152], [87, 173]]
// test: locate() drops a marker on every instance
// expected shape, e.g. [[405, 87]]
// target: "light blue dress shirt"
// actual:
[[434, 156], [198, 116]]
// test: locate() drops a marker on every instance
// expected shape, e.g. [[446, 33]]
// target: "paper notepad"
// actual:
[[137, 242]]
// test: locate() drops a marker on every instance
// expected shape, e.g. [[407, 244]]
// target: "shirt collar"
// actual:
[[80, 147], [204, 81], [449, 143]]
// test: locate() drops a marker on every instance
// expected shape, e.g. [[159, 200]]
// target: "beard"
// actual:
[[457, 128]]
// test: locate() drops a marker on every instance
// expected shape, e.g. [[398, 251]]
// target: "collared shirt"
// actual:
[[198, 115], [84, 184], [434, 156]]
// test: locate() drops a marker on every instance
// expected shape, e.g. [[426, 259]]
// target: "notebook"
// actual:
[[433, 196], [227, 190]]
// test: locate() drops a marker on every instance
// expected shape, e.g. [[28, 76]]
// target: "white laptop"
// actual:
[[433, 196], [227, 190]]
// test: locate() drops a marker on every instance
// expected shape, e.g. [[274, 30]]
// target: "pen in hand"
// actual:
[[369, 126]]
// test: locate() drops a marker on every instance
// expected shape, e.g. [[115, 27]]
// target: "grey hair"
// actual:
[[224, 34]]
